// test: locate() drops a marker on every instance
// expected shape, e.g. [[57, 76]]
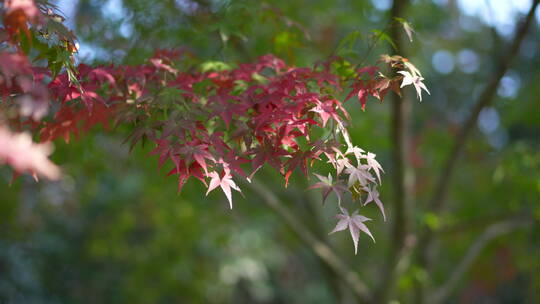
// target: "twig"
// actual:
[[322, 250], [492, 232], [374, 43]]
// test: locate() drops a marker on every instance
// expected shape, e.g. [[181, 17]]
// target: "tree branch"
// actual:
[[322, 250], [402, 176], [477, 223], [492, 232], [437, 201]]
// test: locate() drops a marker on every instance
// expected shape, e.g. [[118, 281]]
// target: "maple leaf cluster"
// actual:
[[358, 177], [217, 123]]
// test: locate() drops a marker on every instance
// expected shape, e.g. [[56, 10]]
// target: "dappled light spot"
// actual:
[[510, 85], [382, 5], [468, 61], [489, 120], [500, 14], [443, 62]]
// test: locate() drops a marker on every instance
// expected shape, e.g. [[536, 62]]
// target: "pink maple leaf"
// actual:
[[23, 155], [327, 185], [355, 224], [225, 182]]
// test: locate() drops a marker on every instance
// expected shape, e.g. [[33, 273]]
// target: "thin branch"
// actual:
[[441, 189], [492, 232], [476, 223], [374, 43], [322, 250]]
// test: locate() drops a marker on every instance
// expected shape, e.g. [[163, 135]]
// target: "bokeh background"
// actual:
[[114, 230]]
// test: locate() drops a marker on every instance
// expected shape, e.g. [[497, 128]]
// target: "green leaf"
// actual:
[[285, 41], [382, 36], [25, 44], [343, 68], [201, 88], [347, 44], [259, 78], [170, 94], [214, 66], [432, 221]]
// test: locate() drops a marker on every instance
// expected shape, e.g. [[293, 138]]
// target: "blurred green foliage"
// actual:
[[115, 230]]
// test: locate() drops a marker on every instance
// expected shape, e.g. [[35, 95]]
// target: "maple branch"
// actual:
[[402, 175], [322, 250], [492, 232], [437, 201]]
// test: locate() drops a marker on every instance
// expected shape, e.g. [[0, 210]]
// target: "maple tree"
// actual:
[[216, 123], [217, 118]]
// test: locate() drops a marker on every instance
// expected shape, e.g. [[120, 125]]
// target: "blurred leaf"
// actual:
[[382, 36]]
